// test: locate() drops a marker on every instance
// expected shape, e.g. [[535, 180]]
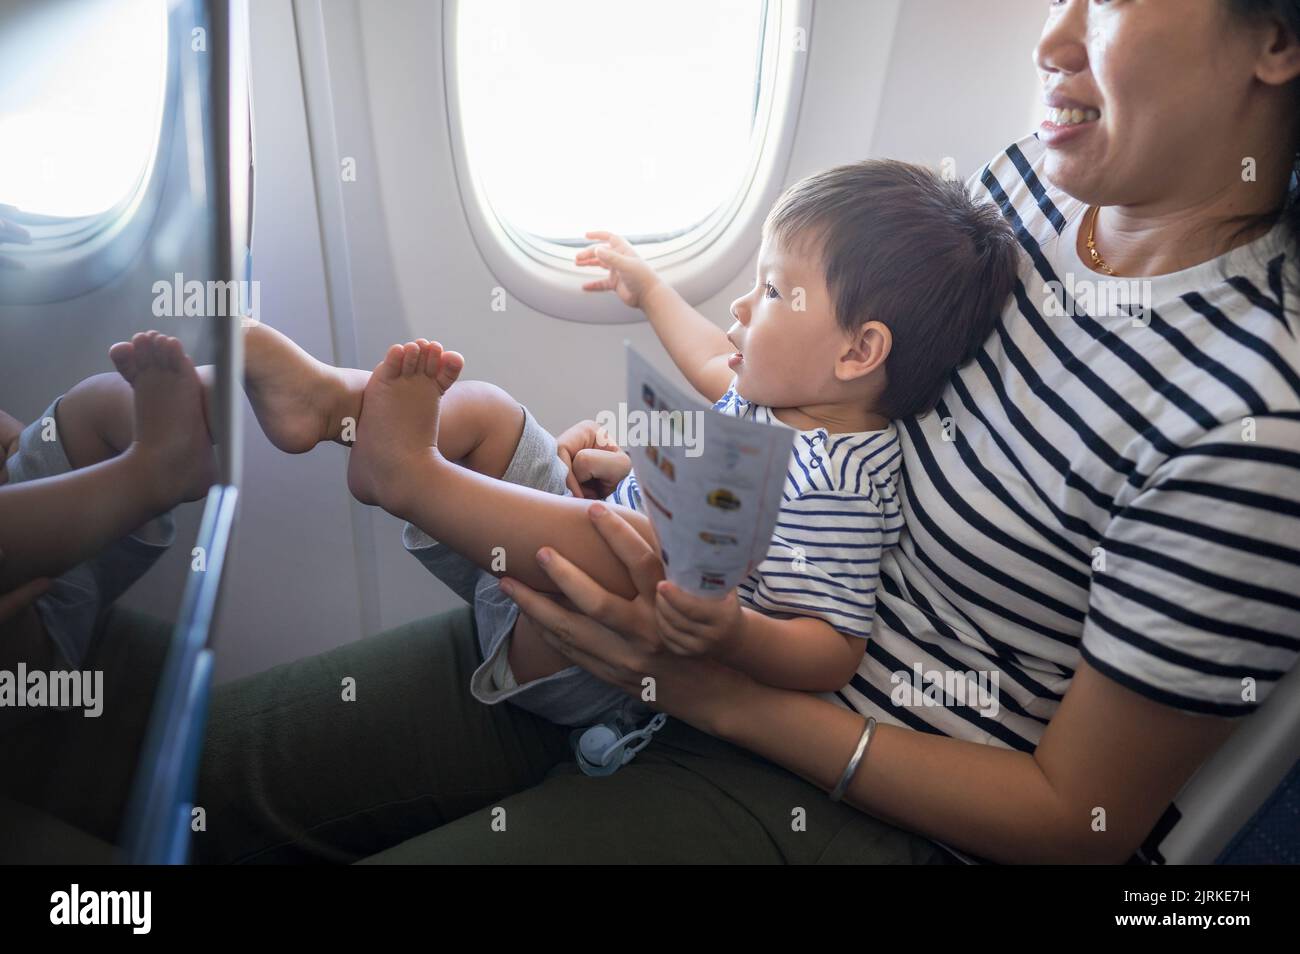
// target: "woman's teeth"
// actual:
[[1071, 117]]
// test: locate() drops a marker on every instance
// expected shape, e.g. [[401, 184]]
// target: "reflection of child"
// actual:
[[85, 490], [874, 282]]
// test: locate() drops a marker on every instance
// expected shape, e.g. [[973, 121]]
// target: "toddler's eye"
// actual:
[[769, 290]]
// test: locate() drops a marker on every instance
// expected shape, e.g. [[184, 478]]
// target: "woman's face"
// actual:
[[1163, 87]]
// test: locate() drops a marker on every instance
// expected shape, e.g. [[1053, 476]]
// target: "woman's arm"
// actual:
[[1107, 766], [1090, 792]]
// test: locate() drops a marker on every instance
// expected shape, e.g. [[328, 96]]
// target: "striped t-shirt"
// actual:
[[1115, 477], [839, 512]]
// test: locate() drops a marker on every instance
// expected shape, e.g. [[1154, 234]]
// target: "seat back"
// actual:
[[1243, 804]]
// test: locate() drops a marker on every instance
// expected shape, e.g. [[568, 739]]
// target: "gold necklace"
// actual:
[[1098, 262]]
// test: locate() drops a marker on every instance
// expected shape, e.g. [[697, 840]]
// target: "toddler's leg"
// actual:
[[49, 525], [95, 419], [499, 526], [301, 402]]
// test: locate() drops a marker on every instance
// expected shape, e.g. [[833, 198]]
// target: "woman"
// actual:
[[1101, 526]]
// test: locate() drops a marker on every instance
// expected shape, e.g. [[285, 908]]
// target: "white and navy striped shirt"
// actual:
[[839, 512], [1097, 487]]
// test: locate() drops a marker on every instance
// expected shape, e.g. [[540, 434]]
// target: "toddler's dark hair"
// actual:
[[913, 251]]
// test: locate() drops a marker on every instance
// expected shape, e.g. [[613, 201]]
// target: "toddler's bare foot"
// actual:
[[171, 431], [298, 400], [400, 425]]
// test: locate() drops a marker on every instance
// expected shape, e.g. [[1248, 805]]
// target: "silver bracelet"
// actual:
[[851, 769]]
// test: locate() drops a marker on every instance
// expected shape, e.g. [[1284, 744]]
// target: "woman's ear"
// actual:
[[867, 351], [1279, 61]]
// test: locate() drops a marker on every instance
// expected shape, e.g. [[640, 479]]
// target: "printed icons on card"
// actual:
[[723, 499], [649, 497], [712, 582], [661, 461]]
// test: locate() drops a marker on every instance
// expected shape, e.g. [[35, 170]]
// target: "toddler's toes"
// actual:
[[169, 352], [122, 355], [429, 358], [450, 366], [143, 344], [391, 367], [410, 358]]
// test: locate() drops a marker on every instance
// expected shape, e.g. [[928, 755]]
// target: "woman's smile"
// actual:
[[1067, 119]]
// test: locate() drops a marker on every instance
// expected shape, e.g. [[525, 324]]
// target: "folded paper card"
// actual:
[[711, 483]]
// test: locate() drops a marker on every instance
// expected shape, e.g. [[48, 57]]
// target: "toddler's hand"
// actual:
[[596, 463], [697, 625], [629, 275]]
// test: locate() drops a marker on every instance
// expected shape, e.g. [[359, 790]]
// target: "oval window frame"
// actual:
[[699, 261], [70, 256]]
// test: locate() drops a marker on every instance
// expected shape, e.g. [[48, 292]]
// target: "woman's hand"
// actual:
[[618, 640], [595, 461]]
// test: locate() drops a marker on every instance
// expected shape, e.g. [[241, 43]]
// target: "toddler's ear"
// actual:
[[866, 352]]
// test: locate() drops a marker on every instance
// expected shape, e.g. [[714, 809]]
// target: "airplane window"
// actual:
[[81, 108], [634, 117]]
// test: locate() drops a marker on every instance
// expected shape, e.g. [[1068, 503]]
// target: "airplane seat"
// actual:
[[1243, 805], [1272, 836]]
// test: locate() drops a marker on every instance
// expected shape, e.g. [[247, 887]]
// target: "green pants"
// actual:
[[376, 751], [65, 779]]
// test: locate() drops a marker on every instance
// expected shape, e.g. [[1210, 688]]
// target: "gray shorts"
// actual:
[[70, 608], [569, 697]]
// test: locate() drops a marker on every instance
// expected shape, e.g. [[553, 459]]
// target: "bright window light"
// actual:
[[629, 115], [81, 103]]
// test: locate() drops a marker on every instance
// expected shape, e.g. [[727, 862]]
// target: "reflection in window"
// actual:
[[628, 115], [80, 102]]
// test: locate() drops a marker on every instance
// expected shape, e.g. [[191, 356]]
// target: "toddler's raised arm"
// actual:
[[697, 346]]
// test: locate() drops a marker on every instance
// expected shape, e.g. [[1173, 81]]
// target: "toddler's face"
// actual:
[[786, 337]]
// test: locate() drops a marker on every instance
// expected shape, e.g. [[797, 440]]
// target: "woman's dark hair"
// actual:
[[1286, 12], [904, 247]]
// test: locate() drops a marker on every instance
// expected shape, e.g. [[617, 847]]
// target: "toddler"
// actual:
[[874, 282]]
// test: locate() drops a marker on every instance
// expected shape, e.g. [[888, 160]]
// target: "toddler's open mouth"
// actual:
[[735, 360]]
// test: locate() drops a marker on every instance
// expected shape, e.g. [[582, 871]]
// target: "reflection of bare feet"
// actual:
[[400, 425], [298, 400], [171, 432]]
